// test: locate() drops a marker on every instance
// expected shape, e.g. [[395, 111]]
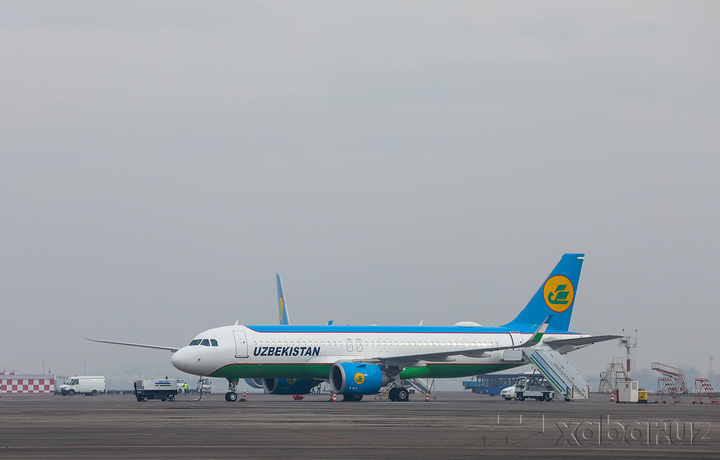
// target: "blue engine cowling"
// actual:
[[288, 386], [357, 378], [254, 383]]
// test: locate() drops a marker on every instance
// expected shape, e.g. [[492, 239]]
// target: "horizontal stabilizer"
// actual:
[[567, 345], [141, 345]]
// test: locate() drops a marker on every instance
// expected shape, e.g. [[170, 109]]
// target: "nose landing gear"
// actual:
[[231, 395]]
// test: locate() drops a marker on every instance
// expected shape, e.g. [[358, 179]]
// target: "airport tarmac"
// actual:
[[452, 425]]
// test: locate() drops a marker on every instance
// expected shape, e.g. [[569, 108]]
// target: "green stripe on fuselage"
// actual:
[[322, 371], [244, 371]]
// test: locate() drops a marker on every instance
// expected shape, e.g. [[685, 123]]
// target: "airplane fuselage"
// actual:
[[310, 351]]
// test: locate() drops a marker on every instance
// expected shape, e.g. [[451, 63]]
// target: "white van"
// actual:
[[87, 385]]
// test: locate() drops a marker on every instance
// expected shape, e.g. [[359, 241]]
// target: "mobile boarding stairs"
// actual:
[[558, 371]]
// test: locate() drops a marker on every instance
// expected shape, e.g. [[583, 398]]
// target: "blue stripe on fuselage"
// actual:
[[398, 330]]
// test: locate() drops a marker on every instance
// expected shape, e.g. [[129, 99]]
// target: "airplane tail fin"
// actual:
[[556, 296], [284, 318]]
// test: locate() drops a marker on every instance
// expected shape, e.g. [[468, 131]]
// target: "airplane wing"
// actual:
[[141, 345], [414, 360]]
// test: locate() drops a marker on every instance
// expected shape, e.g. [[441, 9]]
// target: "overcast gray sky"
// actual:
[[393, 161]]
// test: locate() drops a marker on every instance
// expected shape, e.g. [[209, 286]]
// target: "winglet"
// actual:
[[538, 335], [282, 308]]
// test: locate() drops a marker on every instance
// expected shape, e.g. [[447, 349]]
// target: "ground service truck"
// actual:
[[529, 386], [162, 389]]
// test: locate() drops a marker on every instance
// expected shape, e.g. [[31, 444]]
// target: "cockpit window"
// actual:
[[204, 342]]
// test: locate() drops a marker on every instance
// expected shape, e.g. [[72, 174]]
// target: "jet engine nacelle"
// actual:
[[255, 383], [357, 378], [288, 386]]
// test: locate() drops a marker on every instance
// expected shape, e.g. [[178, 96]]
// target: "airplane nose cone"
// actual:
[[181, 360]]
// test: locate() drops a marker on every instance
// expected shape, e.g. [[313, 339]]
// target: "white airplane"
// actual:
[[360, 360]]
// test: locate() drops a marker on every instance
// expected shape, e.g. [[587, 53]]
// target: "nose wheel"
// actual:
[[231, 395]]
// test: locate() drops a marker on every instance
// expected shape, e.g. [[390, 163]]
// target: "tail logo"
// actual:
[[359, 378], [281, 304], [558, 293]]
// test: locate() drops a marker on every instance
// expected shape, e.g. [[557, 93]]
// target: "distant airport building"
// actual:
[[26, 383]]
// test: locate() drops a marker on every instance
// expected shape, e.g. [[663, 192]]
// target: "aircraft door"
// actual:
[[516, 338], [241, 347], [349, 344], [359, 345]]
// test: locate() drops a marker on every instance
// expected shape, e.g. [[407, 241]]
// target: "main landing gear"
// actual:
[[231, 395], [399, 394]]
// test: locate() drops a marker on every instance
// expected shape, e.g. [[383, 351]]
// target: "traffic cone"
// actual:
[[612, 397], [427, 397], [245, 395], [334, 398]]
